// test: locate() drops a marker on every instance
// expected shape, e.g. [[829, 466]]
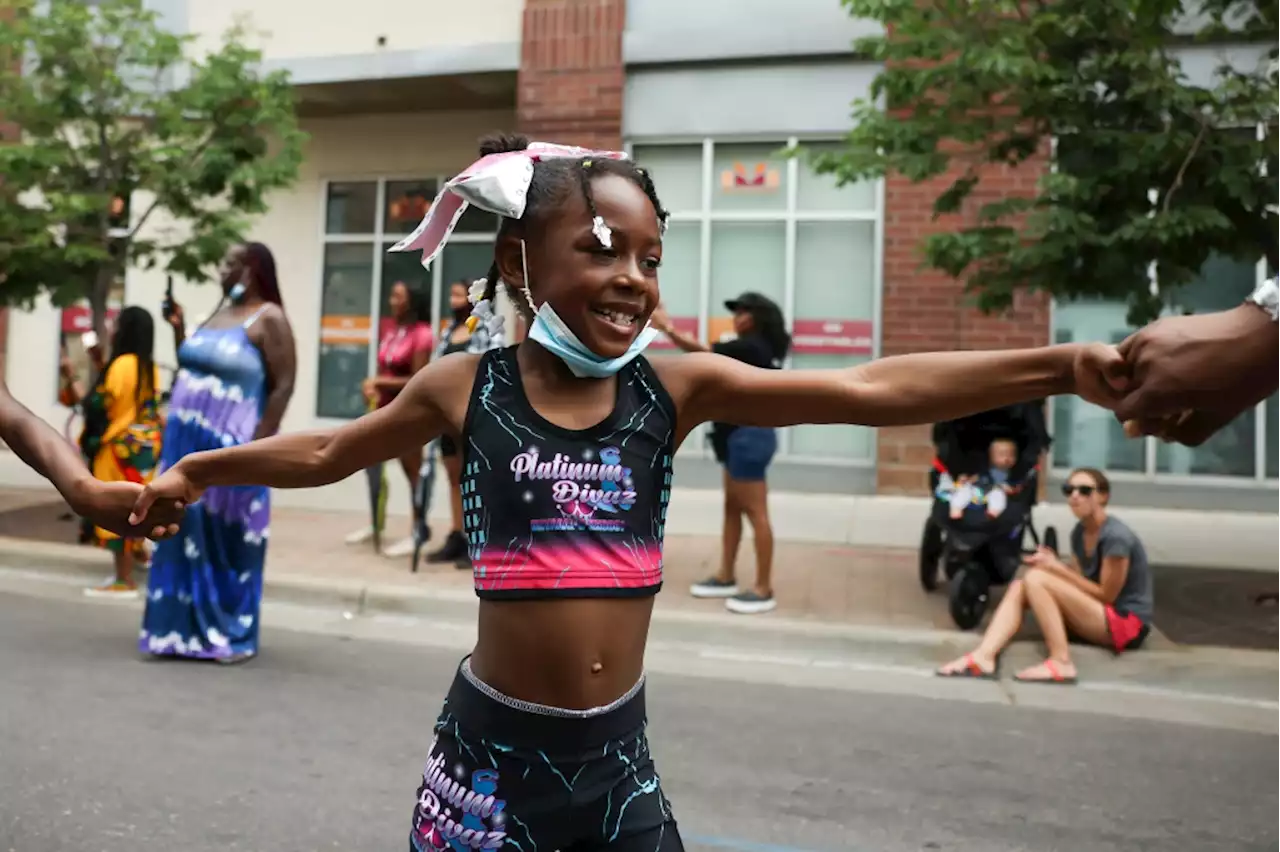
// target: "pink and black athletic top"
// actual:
[[553, 512]]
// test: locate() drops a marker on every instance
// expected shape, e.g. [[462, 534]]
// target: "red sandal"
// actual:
[[972, 670], [1055, 678]]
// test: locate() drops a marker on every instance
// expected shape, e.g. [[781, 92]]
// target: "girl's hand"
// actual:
[[109, 505], [1101, 375], [369, 388], [172, 486]]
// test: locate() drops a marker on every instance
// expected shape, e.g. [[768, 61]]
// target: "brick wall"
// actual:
[[571, 74], [922, 309]]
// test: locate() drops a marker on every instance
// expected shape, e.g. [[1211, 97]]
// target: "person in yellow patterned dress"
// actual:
[[122, 432]]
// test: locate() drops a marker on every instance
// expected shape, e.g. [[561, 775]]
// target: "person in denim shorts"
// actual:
[[744, 451]]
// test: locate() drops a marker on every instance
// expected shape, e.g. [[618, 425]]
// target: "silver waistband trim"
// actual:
[[543, 709]]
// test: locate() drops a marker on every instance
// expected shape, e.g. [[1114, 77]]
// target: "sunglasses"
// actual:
[[1083, 490]]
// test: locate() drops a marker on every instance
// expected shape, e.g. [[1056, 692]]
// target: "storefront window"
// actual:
[[773, 227], [363, 220], [344, 328], [834, 323]]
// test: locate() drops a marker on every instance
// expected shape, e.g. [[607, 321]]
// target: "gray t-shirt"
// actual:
[[1116, 539]]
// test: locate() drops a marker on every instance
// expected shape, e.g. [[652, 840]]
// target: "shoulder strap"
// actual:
[[254, 316], [651, 385]]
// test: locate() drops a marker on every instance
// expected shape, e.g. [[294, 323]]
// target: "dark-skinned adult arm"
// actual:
[[48, 454], [906, 389], [1193, 375], [280, 354], [312, 459]]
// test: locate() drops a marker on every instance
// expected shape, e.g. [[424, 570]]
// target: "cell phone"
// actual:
[[166, 307]]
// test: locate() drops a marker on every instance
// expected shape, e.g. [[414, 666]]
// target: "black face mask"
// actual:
[[461, 314]]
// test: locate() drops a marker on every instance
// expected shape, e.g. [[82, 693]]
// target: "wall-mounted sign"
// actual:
[[760, 177], [833, 337], [684, 325]]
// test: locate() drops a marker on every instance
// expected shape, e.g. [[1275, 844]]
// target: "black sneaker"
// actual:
[[714, 587], [454, 548], [749, 603]]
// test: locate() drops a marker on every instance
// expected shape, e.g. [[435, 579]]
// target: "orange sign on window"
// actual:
[[757, 178], [340, 330], [720, 329]]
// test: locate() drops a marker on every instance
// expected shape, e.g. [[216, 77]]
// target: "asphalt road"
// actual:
[[318, 745]]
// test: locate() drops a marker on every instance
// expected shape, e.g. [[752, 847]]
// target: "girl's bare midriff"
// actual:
[[575, 654]]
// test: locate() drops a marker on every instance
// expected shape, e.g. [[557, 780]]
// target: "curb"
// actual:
[[362, 598]]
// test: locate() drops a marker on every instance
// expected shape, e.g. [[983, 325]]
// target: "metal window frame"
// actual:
[[790, 217], [375, 240], [1150, 473]]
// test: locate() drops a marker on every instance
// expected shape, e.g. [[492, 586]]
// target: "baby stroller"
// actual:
[[976, 551]]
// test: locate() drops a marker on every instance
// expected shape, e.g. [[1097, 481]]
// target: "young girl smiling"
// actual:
[[541, 742]]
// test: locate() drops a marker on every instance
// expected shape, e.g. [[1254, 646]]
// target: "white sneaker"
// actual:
[[402, 548], [360, 536]]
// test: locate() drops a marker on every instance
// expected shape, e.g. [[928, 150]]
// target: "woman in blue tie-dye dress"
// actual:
[[234, 381]]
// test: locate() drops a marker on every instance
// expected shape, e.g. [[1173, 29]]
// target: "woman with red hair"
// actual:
[[235, 377]]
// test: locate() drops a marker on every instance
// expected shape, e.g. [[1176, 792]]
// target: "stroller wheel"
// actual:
[[968, 596], [931, 545], [1051, 538]]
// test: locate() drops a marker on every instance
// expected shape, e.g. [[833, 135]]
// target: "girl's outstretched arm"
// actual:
[[902, 390], [311, 459]]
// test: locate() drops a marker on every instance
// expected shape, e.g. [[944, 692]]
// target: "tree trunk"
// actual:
[[98, 301]]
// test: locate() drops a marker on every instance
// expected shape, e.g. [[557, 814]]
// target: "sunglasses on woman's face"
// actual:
[[1083, 490]]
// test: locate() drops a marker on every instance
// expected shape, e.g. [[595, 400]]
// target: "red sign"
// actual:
[[79, 319], [833, 337], [684, 325]]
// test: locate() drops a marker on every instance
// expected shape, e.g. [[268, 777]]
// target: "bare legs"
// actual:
[[1057, 605], [749, 498]]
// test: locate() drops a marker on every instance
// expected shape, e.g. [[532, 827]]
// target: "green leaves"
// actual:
[[1151, 166], [112, 109]]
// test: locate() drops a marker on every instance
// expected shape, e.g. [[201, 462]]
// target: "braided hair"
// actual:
[[553, 179]]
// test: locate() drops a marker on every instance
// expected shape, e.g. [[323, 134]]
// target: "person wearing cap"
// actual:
[[761, 340]]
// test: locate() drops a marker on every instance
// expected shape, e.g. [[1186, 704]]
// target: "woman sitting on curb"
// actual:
[[1104, 597]]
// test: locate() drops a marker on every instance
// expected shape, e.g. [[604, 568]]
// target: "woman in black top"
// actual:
[[744, 451]]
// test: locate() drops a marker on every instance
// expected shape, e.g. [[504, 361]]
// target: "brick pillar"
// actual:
[[571, 74], [922, 309]]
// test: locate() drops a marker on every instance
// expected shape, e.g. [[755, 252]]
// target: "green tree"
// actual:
[[122, 125], [1151, 168]]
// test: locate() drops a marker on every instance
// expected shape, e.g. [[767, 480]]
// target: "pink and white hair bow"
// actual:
[[498, 183]]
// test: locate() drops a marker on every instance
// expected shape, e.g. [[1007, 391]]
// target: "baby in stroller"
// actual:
[[985, 479], [992, 488]]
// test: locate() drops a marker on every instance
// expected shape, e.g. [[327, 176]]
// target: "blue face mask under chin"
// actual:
[[236, 294], [551, 333]]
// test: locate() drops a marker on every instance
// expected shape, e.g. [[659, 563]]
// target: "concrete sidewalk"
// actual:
[[871, 587], [1197, 539]]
